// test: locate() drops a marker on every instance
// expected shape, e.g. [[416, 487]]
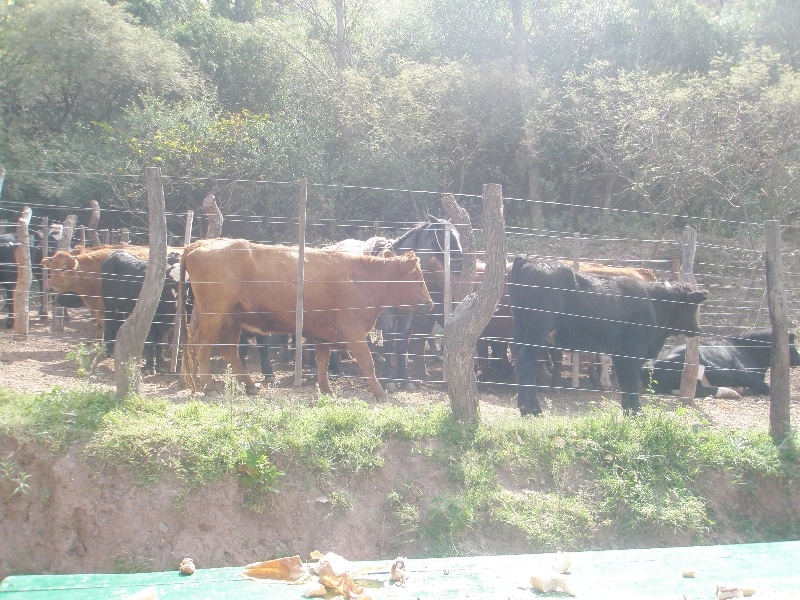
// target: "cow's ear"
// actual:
[[410, 263], [388, 253], [698, 297]]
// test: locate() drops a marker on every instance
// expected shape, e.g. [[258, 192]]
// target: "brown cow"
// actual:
[[241, 285], [79, 272]]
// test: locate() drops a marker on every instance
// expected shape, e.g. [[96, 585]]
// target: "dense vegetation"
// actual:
[[575, 476], [664, 107]]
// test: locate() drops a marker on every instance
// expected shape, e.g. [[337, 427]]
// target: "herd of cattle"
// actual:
[[226, 289]]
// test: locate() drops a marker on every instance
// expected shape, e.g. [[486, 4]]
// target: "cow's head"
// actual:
[[412, 293], [62, 267], [686, 303]]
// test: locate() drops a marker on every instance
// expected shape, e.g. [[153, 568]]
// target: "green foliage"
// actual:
[[9, 470], [86, 357], [574, 476]]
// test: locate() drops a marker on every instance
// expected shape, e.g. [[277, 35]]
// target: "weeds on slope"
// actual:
[[555, 480]]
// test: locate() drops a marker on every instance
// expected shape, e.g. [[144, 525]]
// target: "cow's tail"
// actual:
[[515, 303], [187, 361]]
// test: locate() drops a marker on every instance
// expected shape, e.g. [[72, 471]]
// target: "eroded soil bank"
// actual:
[[77, 517]]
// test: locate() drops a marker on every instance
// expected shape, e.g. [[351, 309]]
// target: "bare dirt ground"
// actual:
[[77, 519], [41, 363]]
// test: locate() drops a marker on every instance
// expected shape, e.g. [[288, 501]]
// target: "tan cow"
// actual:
[[242, 285], [79, 272]]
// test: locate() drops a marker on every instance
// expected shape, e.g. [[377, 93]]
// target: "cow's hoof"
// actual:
[[269, 379], [391, 387], [382, 397], [527, 412], [727, 393], [409, 386]]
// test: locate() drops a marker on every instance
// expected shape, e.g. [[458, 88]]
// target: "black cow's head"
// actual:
[[679, 305]]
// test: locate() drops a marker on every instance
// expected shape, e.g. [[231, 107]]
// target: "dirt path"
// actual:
[[41, 363]]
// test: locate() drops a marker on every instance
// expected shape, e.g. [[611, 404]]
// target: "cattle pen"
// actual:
[[54, 369], [734, 276]]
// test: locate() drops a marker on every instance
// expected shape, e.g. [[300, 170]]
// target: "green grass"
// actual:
[[555, 480]]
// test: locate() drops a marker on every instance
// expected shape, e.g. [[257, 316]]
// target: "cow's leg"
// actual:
[[207, 328], [527, 399], [110, 328], [98, 324], [228, 347], [360, 351], [416, 351], [482, 358], [628, 375], [334, 368], [10, 308], [557, 360], [149, 351], [605, 372], [244, 347], [322, 355], [748, 380], [160, 365], [262, 343]]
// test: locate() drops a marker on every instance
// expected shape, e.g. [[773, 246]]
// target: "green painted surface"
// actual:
[[771, 569]]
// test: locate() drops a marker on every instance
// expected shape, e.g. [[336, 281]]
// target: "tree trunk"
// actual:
[[94, 221], [214, 215], [779, 376], [22, 254], [133, 333], [341, 66], [474, 312], [691, 367]]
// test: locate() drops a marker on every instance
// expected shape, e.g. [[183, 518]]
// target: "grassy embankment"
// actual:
[[583, 473]]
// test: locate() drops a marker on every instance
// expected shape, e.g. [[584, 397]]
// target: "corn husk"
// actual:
[[561, 562], [314, 590], [280, 569], [187, 566], [724, 592], [398, 571]]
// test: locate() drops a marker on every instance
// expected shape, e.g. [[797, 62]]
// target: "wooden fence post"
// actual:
[[576, 266], [22, 291], [691, 368], [124, 236], [460, 218], [176, 330], [301, 250], [57, 324], [779, 375], [132, 334], [474, 312], [94, 221], [105, 236], [3, 225], [44, 312], [214, 215]]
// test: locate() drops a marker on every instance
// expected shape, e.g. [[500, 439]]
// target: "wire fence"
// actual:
[[730, 268]]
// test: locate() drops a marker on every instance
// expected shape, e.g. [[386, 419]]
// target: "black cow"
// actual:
[[123, 277], [8, 265], [627, 319], [733, 362], [280, 342]]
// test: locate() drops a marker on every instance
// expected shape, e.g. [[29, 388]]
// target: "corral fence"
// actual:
[[751, 283]]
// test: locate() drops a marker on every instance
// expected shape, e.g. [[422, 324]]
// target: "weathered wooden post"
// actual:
[[576, 266], [132, 334], [176, 330], [94, 221], [105, 236], [214, 215], [22, 292], [3, 225], [691, 368], [779, 375], [474, 312], [44, 312], [124, 236], [57, 324], [301, 251]]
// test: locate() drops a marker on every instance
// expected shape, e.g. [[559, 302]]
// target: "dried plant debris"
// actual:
[[398, 571], [550, 582], [281, 569], [314, 590], [187, 566], [561, 562], [724, 591], [689, 573]]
